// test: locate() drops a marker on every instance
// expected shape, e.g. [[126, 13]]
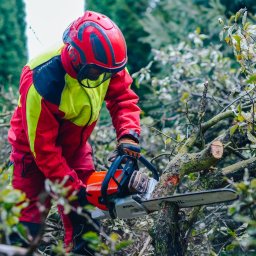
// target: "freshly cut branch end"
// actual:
[[217, 149]]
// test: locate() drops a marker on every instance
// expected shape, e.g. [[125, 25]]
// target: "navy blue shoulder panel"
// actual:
[[49, 79]]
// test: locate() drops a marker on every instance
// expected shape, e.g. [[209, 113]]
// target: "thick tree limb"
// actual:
[[186, 163], [216, 119], [240, 166]]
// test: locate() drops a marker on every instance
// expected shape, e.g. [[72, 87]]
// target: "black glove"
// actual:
[[129, 147], [125, 146]]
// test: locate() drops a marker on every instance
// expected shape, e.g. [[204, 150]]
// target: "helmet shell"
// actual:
[[96, 40]]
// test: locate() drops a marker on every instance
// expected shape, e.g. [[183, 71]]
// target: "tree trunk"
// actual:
[[166, 232]]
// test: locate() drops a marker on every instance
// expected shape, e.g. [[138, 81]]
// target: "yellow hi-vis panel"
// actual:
[[82, 105], [33, 110]]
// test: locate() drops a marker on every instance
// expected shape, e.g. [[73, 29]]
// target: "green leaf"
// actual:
[[232, 210], [123, 244], [137, 83], [89, 207], [168, 141], [12, 220], [231, 232], [184, 96], [227, 39], [91, 237], [239, 109], [230, 247], [114, 237], [178, 138], [237, 16], [240, 118], [192, 176], [253, 184], [246, 25], [14, 196], [237, 38], [147, 121], [241, 186], [22, 230], [252, 79], [233, 129]]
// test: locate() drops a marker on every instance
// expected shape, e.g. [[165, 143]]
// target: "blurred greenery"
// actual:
[[13, 50]]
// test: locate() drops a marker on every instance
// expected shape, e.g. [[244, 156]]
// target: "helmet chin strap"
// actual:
[[87, 85], [86, 82]]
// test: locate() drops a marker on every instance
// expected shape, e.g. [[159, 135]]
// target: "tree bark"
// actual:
[[166, 233]]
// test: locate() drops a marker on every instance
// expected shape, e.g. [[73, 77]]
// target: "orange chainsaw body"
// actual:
[[94, 185]]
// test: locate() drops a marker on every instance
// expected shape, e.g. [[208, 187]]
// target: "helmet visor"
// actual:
[[91, 76]]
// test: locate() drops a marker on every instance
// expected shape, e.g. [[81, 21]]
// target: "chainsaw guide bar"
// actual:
[[135, 206]]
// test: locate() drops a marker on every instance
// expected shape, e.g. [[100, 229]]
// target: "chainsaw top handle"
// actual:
[[129, 165]]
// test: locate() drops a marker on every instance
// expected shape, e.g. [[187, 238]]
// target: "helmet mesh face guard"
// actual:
[[91, 76], [96, 48]]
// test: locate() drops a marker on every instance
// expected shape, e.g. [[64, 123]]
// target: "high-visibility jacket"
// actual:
[[56, 115]]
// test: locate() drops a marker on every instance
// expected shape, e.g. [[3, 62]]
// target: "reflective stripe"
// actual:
[[33, 110]]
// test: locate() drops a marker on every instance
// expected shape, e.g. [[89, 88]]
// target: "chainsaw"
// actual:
[[124, 191]]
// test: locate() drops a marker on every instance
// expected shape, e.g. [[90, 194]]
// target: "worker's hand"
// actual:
[[125, 146], [81, 196], [128, 146]]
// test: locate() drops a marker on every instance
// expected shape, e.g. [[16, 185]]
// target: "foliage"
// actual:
[[12, 201], [13, 51], [244, 213], [171, 21], [235, 6], [229, 88]]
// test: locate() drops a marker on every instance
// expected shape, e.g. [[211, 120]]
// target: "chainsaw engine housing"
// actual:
[[103, 187]]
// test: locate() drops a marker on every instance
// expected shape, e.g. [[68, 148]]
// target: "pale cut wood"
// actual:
[[217, 149]]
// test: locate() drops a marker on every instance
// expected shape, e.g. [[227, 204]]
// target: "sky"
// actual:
[[46, 21]]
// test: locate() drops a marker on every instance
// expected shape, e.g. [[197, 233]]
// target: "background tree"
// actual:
[[13, 51]]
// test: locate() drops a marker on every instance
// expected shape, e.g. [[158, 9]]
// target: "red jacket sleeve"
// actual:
[[122, 102]]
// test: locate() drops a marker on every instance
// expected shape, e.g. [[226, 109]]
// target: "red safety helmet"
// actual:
[[94, 46]]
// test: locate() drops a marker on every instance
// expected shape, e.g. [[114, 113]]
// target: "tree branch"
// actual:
[[240, 166], [205, 126], [216, 119]]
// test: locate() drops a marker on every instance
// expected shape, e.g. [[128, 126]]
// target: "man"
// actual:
[[61, 94]]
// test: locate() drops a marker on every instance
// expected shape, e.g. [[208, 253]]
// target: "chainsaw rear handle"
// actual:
[[128, 169]]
